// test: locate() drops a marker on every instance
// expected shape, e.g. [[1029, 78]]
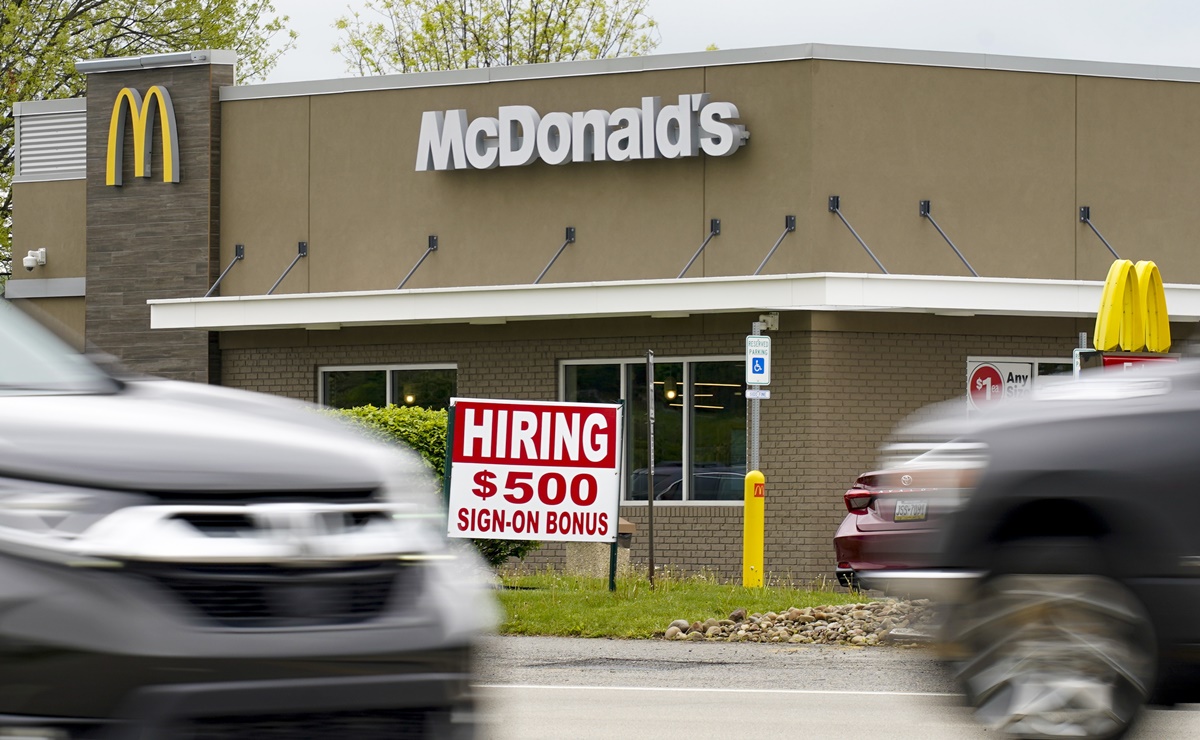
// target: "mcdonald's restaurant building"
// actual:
[[531, 232]]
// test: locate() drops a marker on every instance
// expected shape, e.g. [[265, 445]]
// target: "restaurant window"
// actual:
[[424, 386], [699, 423]]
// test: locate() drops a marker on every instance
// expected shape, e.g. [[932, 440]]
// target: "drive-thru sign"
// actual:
[[535, 471]]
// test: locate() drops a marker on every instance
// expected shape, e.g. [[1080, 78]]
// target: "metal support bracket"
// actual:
[[569, 239], [1085, 216], [924, 211], [239, 253], [301, 252], [789, 225], [714, 229], [429, 249], [835, 203]]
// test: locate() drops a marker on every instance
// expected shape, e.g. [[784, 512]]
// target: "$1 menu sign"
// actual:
[[535, 471]]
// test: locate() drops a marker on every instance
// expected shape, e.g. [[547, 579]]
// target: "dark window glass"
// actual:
[[345, 389], [593, 383], [428, 389], [1055, 368], [668, 431], [718, 430]]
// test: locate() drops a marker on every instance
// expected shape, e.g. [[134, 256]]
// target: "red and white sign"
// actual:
[[992, 382], [535, 471], [1134, 362]]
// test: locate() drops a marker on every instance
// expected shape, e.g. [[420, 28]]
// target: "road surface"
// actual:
[[535, 687]]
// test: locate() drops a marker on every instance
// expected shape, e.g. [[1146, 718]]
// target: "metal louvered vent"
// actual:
[[51, 140]]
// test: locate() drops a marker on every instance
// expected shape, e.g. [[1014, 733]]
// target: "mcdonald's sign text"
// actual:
[[131, 104]]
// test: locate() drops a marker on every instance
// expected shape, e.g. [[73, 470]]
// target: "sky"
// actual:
[[1165, 32]]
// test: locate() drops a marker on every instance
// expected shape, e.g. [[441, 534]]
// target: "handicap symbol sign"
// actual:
[[758, 366]]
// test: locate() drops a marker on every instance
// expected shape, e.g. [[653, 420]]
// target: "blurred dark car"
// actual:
[[187, 561], [894, 512], [1070, 570]]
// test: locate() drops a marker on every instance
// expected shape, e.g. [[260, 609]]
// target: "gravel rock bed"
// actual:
[[879, 622]]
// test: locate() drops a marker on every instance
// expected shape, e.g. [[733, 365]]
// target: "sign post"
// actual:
[[650, 460], [525, 470], [758, 374]]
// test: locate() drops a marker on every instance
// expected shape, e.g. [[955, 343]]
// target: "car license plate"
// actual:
[[910, 511]]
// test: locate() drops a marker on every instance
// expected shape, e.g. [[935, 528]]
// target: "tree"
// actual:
[[42, 39], [425, 35]]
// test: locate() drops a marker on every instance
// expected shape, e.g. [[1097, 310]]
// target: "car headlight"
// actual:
[[48, 518]]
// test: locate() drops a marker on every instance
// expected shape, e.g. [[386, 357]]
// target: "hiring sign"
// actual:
[[535, 471]]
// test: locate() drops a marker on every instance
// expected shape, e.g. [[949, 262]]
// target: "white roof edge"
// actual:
[[724, 57], [927, 294], [156, 61], [49, 107], [56, 176]]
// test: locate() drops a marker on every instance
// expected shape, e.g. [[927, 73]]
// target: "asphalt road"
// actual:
[[535, 687]]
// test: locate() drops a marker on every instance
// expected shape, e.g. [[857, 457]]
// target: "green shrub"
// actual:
[[424, 430]]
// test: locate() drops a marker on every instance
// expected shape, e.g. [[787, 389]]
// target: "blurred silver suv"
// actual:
[[187, 561]]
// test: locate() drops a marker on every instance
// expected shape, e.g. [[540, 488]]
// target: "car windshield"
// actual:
[[33, 360]]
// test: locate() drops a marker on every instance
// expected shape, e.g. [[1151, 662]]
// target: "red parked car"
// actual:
[[894, 512]]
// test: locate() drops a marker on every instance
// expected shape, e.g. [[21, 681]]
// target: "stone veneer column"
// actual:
[[153, 239]]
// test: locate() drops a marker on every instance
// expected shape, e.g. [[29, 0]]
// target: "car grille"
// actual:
[[273, 596], [379, 724], [242, 498]]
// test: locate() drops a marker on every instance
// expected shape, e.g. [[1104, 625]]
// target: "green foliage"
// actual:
[[424, 430], [573, 606], [42, 39], [425, 35]]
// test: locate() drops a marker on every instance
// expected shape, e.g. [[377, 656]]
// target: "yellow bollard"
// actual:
[[753, 525]]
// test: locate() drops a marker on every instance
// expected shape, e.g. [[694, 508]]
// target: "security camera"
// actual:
[[34, 258]]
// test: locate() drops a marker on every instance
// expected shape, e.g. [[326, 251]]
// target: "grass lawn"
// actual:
[[573, 606]]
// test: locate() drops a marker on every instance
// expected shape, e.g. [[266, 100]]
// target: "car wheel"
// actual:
[[1049, 656]]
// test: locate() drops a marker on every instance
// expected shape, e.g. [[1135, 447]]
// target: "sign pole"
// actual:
[[449, 459], [650, 455], [758, 374], [756, 330], [612, 551]]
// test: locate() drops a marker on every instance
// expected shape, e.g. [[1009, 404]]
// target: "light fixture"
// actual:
[[671, 395], [409, 399]]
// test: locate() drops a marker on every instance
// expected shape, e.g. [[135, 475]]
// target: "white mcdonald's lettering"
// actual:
[[1133, 310], [519, 135], [540, 435], [128, 104]]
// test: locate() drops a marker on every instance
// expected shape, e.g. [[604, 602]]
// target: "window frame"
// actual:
[[387, 374], [684, 360]]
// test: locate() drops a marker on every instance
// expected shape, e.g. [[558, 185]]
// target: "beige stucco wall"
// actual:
[[52, 215], [1139, 171], [992, 151], [1005, 158]]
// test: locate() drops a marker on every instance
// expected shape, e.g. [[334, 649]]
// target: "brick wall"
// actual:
[[836, 395]]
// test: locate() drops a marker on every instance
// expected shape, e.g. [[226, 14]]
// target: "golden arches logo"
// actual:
[[129, 104], [1133, 310]]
